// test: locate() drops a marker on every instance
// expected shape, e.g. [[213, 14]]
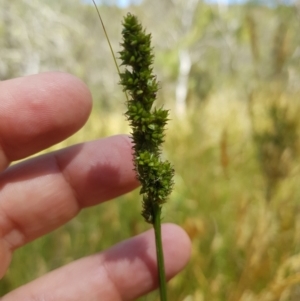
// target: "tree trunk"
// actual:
[[185, 64]]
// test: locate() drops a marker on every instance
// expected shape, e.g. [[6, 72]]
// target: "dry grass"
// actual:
[[244, 248]]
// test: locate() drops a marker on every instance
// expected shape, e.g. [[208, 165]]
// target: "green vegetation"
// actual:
[[235, 145]]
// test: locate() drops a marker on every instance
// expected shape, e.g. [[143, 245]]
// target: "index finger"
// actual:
[[38, 111]]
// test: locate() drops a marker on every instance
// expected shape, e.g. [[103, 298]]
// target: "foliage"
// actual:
[[236, 152]]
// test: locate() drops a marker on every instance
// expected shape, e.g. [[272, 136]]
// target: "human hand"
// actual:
[[43, 193]]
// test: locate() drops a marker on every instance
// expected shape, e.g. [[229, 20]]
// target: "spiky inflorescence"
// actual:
[[155, 176]]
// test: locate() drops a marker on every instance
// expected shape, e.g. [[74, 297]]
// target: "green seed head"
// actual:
[[155, 175]]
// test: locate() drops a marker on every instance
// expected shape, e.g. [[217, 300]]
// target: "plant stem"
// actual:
[[108, 41], [155, 175], [159, 253]]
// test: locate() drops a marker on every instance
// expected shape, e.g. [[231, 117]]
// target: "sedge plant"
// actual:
[[148, 125]]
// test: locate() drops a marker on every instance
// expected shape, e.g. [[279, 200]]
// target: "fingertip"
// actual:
[[79, 90], [69, 89], [177, 248], [40, 110], [138, 257], [142, 249]]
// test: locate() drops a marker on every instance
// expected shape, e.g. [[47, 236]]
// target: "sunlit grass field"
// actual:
[[242, 216]]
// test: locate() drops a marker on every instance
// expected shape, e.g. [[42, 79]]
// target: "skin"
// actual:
[[41, 194]]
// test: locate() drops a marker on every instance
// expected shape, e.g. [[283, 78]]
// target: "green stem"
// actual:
[[108, 41], [159, 253], [107, 38]]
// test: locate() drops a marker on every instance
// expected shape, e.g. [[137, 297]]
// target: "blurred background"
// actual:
[[230, 74]]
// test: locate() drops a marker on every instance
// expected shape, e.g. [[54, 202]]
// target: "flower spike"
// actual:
[[141, 86]]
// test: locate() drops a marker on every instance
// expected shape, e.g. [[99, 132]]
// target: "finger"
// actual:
[[38, 111], [41, 194], [124, 272]]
